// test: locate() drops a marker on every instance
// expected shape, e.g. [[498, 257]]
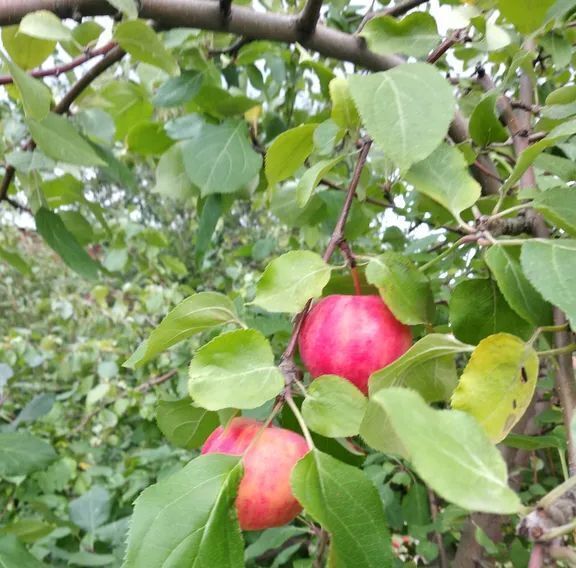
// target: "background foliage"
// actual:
[[209, 175]]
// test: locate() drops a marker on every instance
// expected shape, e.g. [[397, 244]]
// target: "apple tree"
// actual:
[[306, 271]]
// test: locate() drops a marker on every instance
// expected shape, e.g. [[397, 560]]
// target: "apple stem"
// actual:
[[356, 279], [290, 401]]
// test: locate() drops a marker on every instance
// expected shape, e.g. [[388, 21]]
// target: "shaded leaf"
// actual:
[[61, 240], [183, 424], [22, 453], [504, 263], [91, 510], [478, 309]]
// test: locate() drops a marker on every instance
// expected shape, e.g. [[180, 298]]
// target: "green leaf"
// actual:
[[193, 315], [189, 517], [220, 103], [57, 138], [444, 177], [404, 289], [558, 205], [485, 126], [342, 499], [234, 370], [45, 25], [418, 111], [127, 103], [498, 383], [427, 367], [333, 407], [271, 539], [142, 43], [185, 425], [13, 554], [529, 155], [527, 16], [312, 177], [288, 152], [128, 7], [504, 263], [290, 280], [549, 266], [532, 443], [91, 510], [61, 240], [148, 139], [22, 453], [16, 261], [344, 112], [450, 452], [212, 210], [171, 178], [220, 158], [178, 90], [36, 96], [415, 35], [478, 309], [26, 52]]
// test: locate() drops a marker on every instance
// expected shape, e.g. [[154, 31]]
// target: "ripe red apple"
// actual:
[[265, 497], [351, 336]]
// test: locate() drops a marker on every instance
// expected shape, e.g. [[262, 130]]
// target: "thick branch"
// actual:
[[206, 15], [309, 17]]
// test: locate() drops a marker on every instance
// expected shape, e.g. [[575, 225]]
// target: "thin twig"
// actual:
[[437, 535], [155, 381], [455, 37], [337, 236], [398, 10], [65, 67], [113, 55]]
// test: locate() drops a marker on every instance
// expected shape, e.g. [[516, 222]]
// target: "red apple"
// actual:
[[265, 497], [351, 336]]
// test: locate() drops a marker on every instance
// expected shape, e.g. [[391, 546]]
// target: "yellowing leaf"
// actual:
[[498, 383]]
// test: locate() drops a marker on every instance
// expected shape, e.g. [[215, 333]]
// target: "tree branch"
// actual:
[[113, 55], [398, 10], [337, 236], [309, 17], [65, 67], [206, 15]]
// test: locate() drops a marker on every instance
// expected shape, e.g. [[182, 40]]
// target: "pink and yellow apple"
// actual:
[[351, 336], [265, 497]]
